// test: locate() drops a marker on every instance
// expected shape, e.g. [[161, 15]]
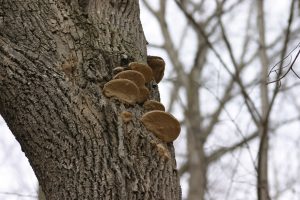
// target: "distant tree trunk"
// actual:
[[262, 173], [197, 159], [55, 57]]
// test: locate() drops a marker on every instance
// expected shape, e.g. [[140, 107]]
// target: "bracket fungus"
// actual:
[[157, 65], [123, 89], [142, 68], [144, 94], [162, 124], [150, 105], [133, 76]]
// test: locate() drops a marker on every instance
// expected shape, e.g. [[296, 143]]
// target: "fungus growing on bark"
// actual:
[[133, 76], [142, 68], [150, 105], [162, 124], [123, 89], [163, 151], [118, 69], [144, 94], [157, 65], [126, 116]]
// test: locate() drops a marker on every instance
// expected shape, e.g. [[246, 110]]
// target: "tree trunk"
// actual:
[[196, 136], [55, 57], [262, 171]]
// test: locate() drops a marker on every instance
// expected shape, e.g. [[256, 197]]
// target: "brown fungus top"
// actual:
[[133, 76], [144, 94], [162, 124], [123, 89], [157, 65], [150, 105], [142, 68]]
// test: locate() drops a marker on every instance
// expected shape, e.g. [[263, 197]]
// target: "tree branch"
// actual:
[[262, 173], [201, 32], [222, 151]]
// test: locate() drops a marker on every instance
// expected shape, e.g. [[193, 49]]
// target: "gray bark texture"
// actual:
[[55, 57]]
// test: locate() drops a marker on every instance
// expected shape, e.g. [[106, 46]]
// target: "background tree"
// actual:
[[258, 37], [55, 57], [221, 52]]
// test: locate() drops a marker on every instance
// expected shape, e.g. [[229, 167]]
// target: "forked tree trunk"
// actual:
[[196, 136], [55, 57]]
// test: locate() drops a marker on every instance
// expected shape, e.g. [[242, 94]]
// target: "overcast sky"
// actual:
[[16, 175]]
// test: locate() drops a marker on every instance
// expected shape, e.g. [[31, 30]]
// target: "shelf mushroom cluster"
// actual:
[[129, 86]]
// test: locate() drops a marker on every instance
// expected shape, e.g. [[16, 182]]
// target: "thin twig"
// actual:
[[19, 195], [289, 66], [250, 105], [262, 186]]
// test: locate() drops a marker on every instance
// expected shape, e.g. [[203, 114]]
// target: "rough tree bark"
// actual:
[[55, 57]]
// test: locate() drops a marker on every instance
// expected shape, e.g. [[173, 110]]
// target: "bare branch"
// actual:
[[222, 151], [158, 46], [173, 96], [215, 116], [183, 169], [247, 35], [262, 173], [284, 49], [262, 169], [19, 195], [250, 105], [289, 66], [145, 2]]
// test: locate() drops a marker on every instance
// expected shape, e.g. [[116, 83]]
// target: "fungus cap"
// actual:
[[133, 76], [162, 124], [142, 68], [123, 89], [150, 105], [144, 94], [126, 116], [157, 65]]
